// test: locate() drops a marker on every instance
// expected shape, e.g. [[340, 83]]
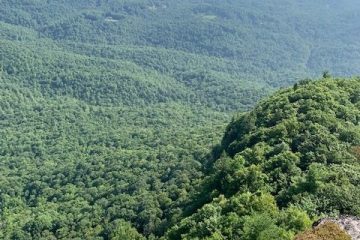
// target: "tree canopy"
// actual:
[[292, 159], [111, 112]]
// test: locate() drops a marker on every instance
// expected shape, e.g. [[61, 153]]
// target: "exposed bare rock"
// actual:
[[350, 224]]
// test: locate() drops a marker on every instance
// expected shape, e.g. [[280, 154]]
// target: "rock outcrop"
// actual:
[[350, 224]]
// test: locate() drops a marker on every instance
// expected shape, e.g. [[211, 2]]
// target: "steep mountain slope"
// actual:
[[295, 156]]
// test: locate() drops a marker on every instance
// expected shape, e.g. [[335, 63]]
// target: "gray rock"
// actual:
[[350, 224]]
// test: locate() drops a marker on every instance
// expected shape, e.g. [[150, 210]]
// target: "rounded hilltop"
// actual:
[[291, 160]]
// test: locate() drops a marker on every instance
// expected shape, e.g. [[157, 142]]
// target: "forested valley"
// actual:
[[164, 119]]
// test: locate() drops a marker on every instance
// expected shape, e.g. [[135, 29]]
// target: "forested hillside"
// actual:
[[277, 42], [111, 110], [294, 158]]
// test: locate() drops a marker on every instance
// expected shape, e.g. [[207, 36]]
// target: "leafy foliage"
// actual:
[[291, 159]]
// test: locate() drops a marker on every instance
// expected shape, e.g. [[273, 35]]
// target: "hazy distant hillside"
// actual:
[[276, 41]]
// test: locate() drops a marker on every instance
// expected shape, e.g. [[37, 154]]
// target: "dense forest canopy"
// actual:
[[295, 157], [111, 112], [274, 41]]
